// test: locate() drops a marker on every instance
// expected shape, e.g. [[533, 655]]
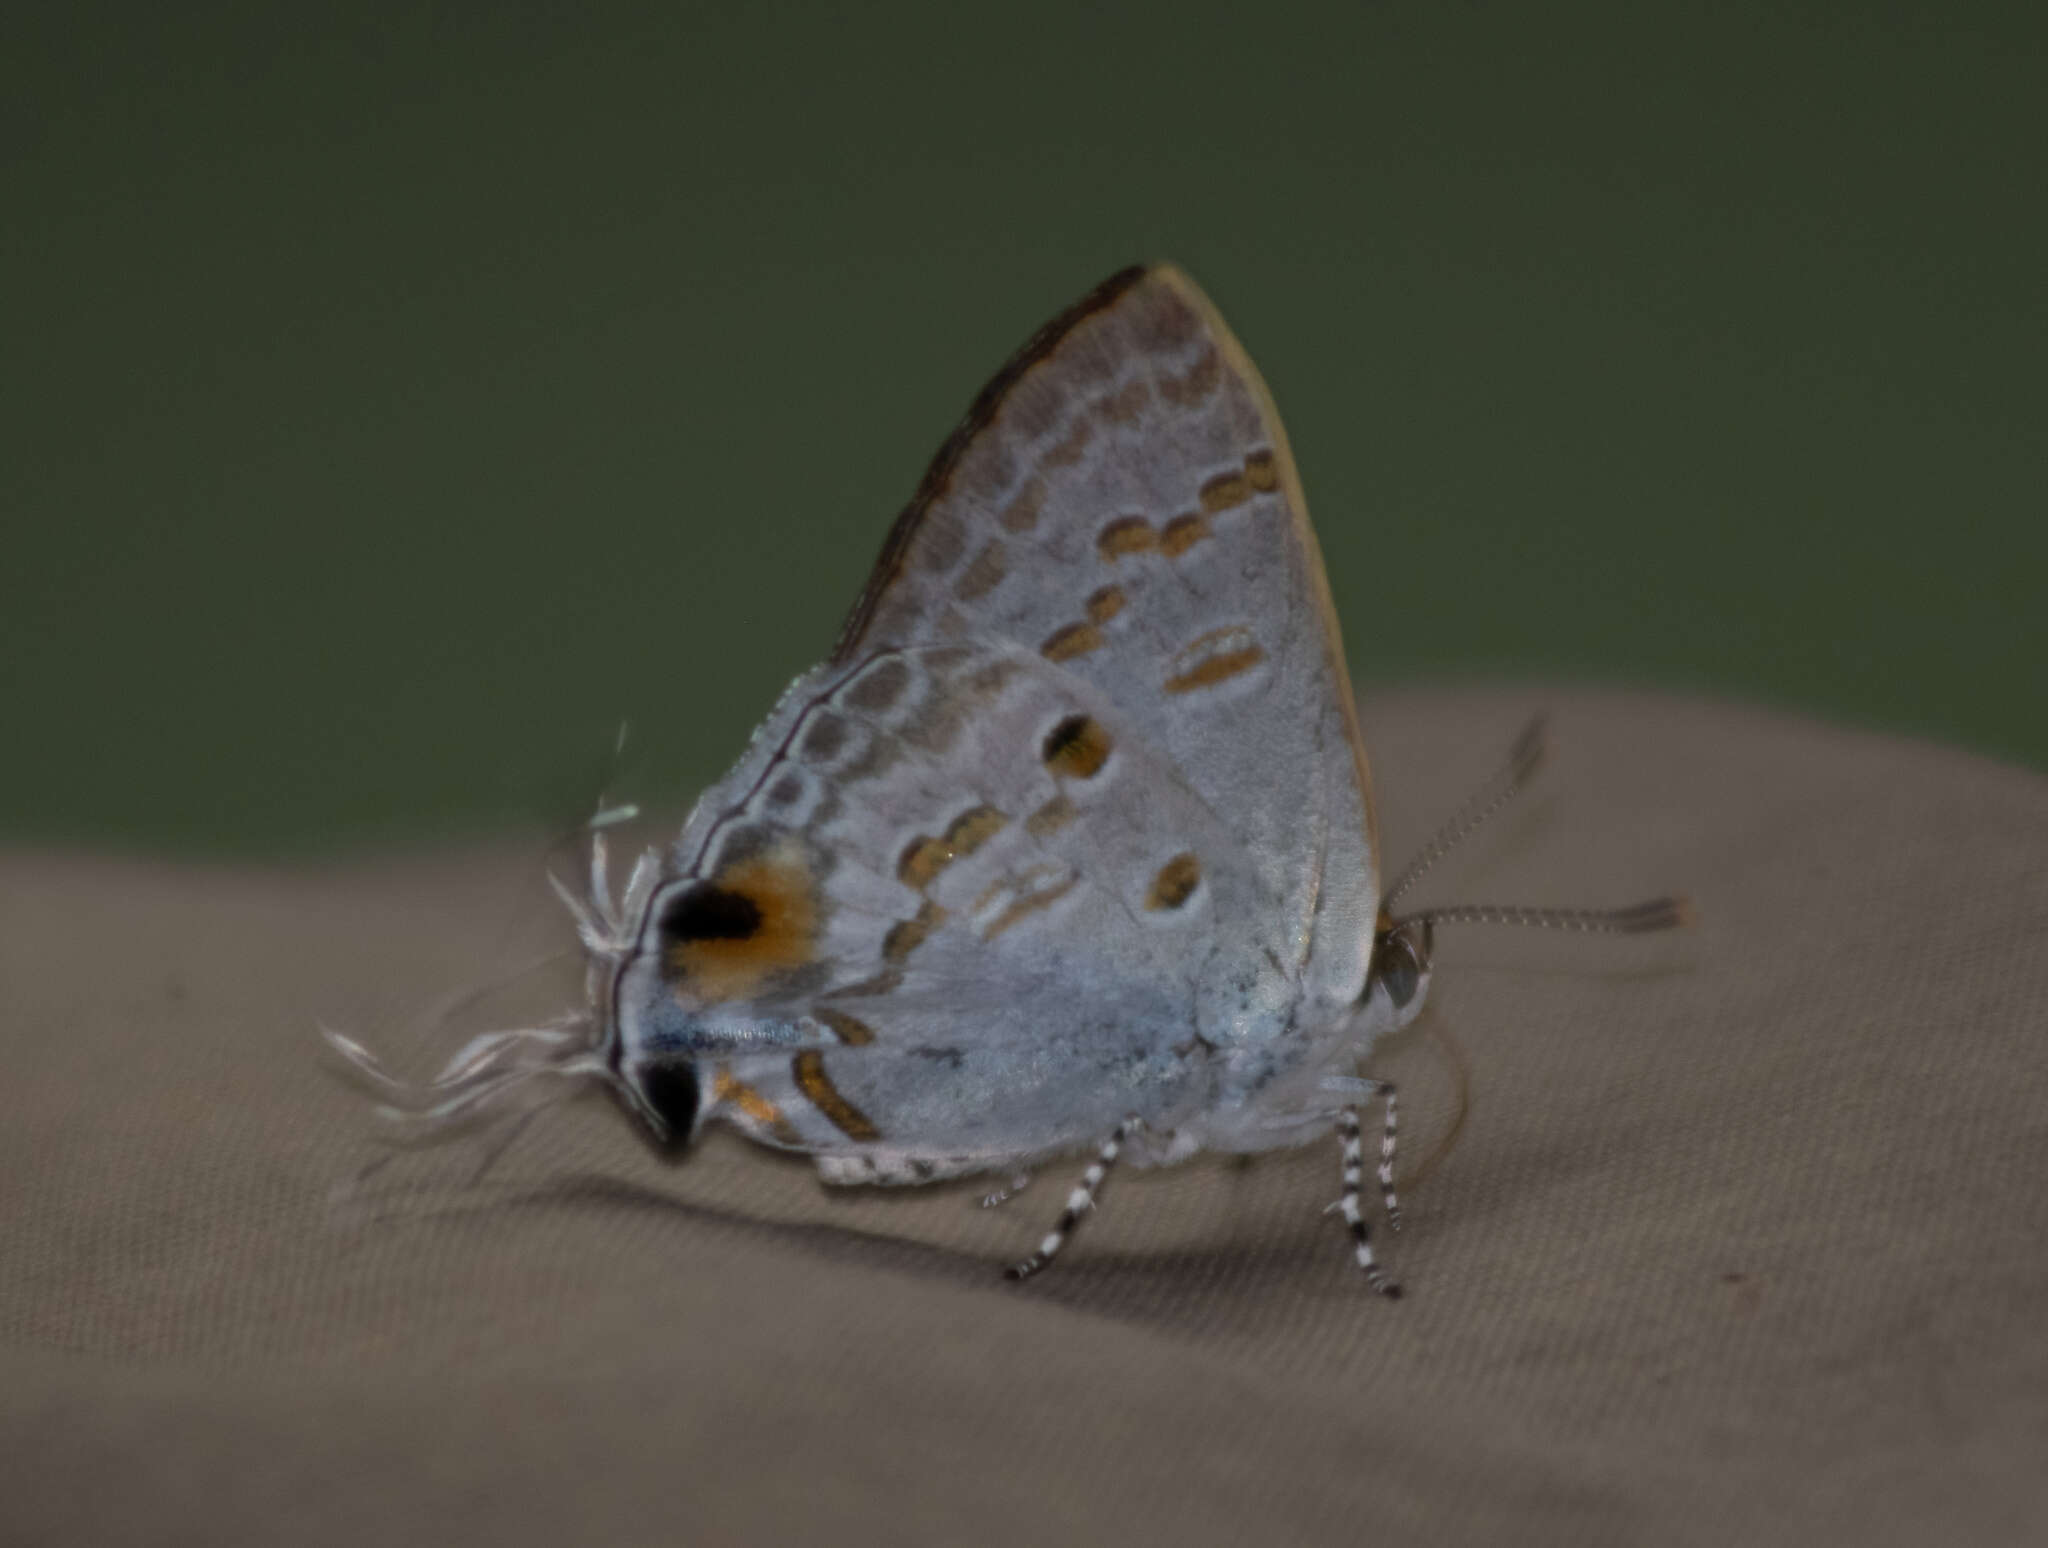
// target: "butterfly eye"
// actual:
[[670, 1092], [1401, 973], [1402, 961]]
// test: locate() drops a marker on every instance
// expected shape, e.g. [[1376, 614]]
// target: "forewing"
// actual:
[[1121, 501]]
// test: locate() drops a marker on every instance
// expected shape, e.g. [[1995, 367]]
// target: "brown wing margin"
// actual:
[[938, 477]]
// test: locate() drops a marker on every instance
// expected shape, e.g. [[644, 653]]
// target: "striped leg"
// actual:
[[1079, 1202], [1354, 1176]]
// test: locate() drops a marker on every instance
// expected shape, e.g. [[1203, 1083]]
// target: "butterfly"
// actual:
[[1069, 845]]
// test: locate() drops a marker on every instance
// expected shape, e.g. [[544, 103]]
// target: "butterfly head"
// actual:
[[505, 1072], [1398, 984]]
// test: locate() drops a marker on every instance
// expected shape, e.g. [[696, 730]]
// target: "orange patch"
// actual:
[[764, 919], [808, 1070], [1262, 470], [1074, 640], [1126, 535]]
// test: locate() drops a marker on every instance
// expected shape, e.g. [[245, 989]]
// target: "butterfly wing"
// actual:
[[1075, 824], [1006, 920], [1121, 500]]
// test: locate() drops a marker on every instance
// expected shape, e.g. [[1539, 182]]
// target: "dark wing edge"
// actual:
[[938, 476]]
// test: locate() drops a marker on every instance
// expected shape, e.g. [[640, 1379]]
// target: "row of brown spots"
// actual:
[[808, 1070], [1071, 641], [750, 1104], [984, 575], [1076, 748], [1216, 657], [1021, 514], [1263, 470], [1182, 534], [850, 1030], [924, 857], [1105, 603], [724, 936], [1126, 535], [906, 935], [1036, 889], [1175, 883], [1050, 818]]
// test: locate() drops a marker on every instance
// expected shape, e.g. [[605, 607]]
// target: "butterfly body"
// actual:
[[1074, 829]]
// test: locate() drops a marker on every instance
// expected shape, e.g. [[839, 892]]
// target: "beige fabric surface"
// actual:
[[1745, 1240]]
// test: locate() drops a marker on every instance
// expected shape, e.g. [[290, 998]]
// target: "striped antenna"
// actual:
[[1524, 758], [1637, 919]]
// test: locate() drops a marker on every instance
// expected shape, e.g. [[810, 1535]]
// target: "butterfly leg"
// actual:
[[1354, 1177], [1079, 1202], [1007, 1192]]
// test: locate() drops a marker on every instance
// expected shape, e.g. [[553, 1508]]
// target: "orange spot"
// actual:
[[1077, 747], [808, 1070], [1074, 640], [1182, 534], [1216, 657], [1106, 603], [1262, 469], [1126, 535], [752, 1106], [924, 857], [1226, 490], [1175, 883]]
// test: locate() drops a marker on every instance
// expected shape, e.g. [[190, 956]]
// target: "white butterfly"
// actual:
[[1070, 843]]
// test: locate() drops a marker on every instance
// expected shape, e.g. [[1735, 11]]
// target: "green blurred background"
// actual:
[[396, 397]]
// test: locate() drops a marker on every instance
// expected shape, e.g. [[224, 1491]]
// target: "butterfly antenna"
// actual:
[[1523, 759], [1668, 913]]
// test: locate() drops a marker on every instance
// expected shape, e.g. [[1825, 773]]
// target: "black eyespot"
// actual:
[[708, 912], [671, 1090], [1399, 971]]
